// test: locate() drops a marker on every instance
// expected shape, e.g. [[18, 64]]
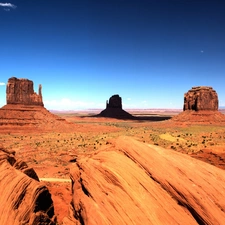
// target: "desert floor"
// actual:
[[51, 154]]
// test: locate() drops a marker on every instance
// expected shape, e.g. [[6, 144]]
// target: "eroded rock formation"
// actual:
[[201, 98], [21, 91], [114, 102], [200, 106], [25, 109], [129, 182], [23, 199], [114, 109]]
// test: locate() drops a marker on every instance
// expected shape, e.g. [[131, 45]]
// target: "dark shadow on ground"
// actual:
[[134, 118], [118, 113]]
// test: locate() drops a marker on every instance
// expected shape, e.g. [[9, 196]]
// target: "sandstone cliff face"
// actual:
[[25, 110], [201, 98], [21, 91], [129, 182], [23, 199]]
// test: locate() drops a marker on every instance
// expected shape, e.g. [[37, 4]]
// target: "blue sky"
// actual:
[[150, 52]]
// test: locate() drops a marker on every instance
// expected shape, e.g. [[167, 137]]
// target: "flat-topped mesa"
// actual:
[[21, 91], [201, 98], [115, 101]]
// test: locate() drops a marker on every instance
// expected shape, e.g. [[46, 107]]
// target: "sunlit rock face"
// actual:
[[25, 109], [130, 182], [201, 98], [24, 200], [21, 91]]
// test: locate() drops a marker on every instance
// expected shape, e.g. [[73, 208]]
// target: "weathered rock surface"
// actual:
[[114, 109], [200, 117], [201, 98], [21, 91], [25, 110], [23, 199], [24, 117], [200, 106], [129, 182]]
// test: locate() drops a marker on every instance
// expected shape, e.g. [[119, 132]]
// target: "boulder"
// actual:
[[24, 200], [21, 91], [129, 182], [201, 98]]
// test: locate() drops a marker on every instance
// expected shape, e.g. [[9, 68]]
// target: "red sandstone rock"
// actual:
[[23, 199], [25, 109], [21, 91], [16, 117], [201, 98], [129, 182], [199, 117], [200, 106]]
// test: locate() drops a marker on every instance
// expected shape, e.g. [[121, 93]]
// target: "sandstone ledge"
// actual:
[[129, 182], [23, 199]]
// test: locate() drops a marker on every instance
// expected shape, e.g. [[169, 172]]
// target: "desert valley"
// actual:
[[111, 166]]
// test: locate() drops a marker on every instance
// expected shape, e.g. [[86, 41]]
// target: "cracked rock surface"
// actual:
[[24, 200], [129, 182]]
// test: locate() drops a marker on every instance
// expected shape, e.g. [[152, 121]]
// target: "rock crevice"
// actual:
[[23, 199]]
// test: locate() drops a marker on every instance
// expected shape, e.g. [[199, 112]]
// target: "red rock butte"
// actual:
[[21, 91], [200, 106], [201, 98], [25, 109], [114, 109]]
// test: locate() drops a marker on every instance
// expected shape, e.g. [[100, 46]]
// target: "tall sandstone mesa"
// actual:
[[21, 91], [201, 98]]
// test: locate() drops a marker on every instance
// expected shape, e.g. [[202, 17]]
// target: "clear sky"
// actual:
[[150, 52]]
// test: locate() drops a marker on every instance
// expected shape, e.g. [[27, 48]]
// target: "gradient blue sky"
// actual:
[[150, 52]]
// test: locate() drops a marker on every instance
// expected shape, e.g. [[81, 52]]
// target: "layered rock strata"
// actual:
[[21, 91], [200, 106], [201, 98], [23, 199], [129, 182], [25, 109]]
